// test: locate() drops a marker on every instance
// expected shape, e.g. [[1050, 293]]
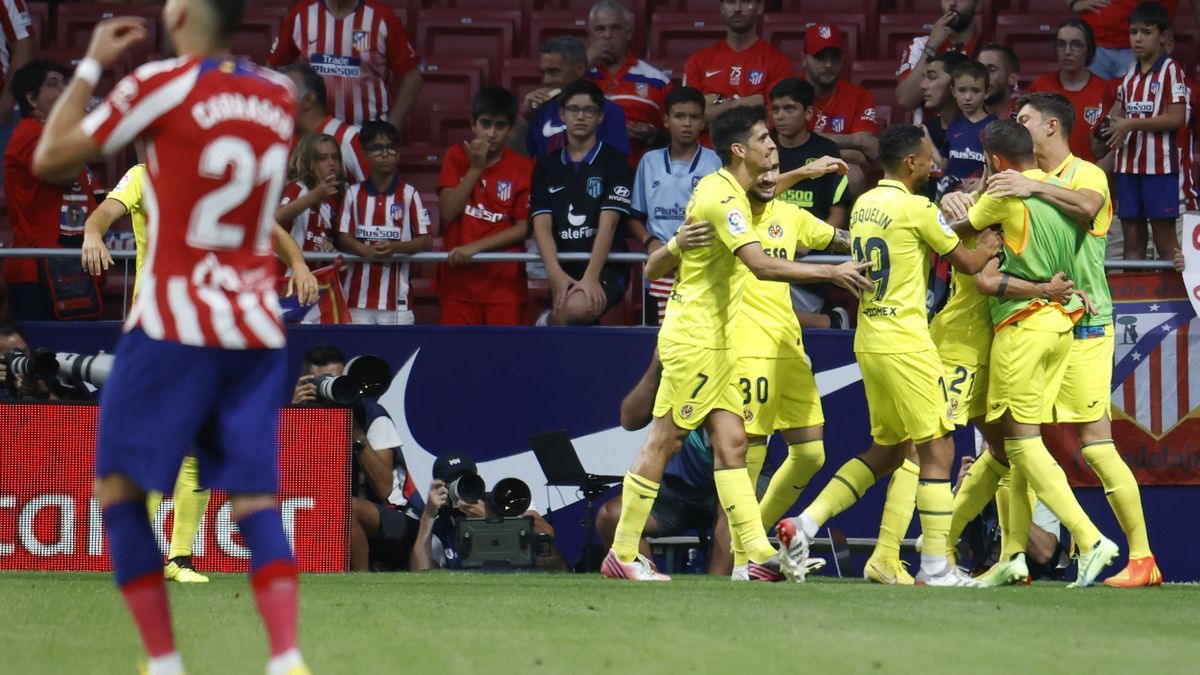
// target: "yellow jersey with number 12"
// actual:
[[128, 193], [963, 331], [767, 326], [707, 296], [896, 231]]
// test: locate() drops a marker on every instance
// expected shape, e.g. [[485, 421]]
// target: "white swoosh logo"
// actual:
[[550, 129], [710, 73], [559, 188], [576, 220]]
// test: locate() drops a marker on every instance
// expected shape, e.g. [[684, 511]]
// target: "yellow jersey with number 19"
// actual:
[[707, 296], [896, 231], [767, 326]]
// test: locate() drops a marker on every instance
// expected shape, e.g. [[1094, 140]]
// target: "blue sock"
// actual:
[[264, 536], [131, 543]]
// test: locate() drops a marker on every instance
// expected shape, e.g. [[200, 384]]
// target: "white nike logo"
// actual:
[[576, 220], [710, 73], [551, 130], [559, 188]]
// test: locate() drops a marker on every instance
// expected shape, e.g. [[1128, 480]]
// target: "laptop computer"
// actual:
[[560, 462]]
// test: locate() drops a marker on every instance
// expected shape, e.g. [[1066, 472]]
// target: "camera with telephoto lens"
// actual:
[[366, 376], [78, 369], [35, 365]]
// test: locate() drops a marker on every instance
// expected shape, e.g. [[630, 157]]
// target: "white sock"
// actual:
[[809, 526], [171, 664], [934, 565], [543, 319], [281, 664]]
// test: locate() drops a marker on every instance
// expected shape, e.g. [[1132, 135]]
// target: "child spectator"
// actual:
[[1150, 109], [825, 196], [310, 200], [483, 195], [961, 155], [937, 94], [665, 178], [381, 217]]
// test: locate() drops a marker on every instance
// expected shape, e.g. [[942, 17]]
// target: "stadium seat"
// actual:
[[419, 166], [446, 124], [258, 31], [864, 7], [1031, 37], [1032, 70], [451, 33], [39, 18], [76, 20], [786, 33], [883, 116], [521, 76], [896, 32], [679, 35], [879, 78], [672, 67], [447, 81], [546, 25]]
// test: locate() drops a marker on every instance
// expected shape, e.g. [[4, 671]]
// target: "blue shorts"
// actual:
[[1147, 197], [164, 399]]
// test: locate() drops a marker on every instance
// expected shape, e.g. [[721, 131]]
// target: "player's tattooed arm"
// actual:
[[991, 281], [841, 242]]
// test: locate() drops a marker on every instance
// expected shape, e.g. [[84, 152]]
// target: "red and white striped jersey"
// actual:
[[17, 26], [357, 56], [312, 228], [371, 216], [1189, 179], [354, 158], [216, 135], [1142, 96]]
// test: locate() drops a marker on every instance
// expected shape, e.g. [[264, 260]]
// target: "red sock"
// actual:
[[276, 594], [146, 597]]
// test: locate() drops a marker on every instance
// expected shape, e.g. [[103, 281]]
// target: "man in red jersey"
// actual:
[[313, 117], [203, 361], [740, 69], [843, 112], [1109, 21], [483, 194], [361, 49], [1091, 95], [954, 31]]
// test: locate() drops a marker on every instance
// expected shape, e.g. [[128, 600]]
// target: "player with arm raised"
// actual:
[[202, 361]]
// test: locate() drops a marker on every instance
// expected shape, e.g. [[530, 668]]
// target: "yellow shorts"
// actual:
[[964, 389], [904, 398], [694, 381], [1027, 369], [778, 394], [1086, 393]]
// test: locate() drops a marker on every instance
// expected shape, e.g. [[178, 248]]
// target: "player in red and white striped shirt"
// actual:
[[381, 217], [1149, 111], [361, 49], [312, 117], [16, 46]]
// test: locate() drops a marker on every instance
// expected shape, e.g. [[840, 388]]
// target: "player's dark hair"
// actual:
[[28, 81], [1089, 37], [310, 81], [228, 14], [972, 69], [679, 95], [378, 129], [494, 101], [1010, 58], [734, 126], [322, 355], [570, 48], [950, 60], [13, 328], [1151, 14], [583, 87], [898, 142], [796, 89], [1008, 139], [1051, 104]]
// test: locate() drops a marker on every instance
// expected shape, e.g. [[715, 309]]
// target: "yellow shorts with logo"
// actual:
[[1086, 393], [694, 381], [904, 398], [1027, 370], [964, 389], [778, 394]]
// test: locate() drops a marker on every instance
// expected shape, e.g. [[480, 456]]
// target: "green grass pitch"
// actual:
[[534, 623]]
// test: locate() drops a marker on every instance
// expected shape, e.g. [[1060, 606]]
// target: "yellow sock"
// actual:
[[1046, 477], [637, 498], [846, 487], [1121, 490], [897, 510], [190, 504], [756, 456], [153, 500], [935, 506], [1018, 516], [974, 493], [736, 493], [804, 460]]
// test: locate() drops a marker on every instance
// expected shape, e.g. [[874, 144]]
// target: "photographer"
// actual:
[[385, 502], [437, 538], [12, 337]]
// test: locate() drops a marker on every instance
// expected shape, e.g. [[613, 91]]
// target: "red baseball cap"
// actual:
[[823, 36]]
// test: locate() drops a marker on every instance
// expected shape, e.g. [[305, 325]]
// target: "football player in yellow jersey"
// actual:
[[190, 501], [895, 229], [699, 382]]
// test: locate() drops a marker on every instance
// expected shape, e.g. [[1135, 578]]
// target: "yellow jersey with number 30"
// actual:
[[128, 193], [707, 296], [896, 231], [767, 326]]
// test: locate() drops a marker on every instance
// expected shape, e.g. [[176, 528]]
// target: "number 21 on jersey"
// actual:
[[206, 228]]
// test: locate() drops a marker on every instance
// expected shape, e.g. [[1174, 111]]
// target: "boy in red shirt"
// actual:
[[483, 195]]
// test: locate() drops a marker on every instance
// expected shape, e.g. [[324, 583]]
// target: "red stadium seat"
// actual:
[[1032, 70], [546, 25], [76, 21], [521, 76], [450, 33], [447, 81], [786, 33], [258, 31], [883, 116], [39, 18], [419, 166], [896, 33], [865, 7], [672, 67], [879, 78], [679, 35], [1031, 37], [446, 124]]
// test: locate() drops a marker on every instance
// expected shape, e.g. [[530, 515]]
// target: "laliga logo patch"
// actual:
[[824, 32], [775, 231], [1092, 115], [945, 225], [737, 223], [686, 410]]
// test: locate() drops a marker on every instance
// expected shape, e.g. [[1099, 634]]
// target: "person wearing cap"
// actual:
[[842, 111], [437, 536]]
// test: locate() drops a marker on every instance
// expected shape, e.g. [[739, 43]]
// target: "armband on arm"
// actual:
[[1003, 286]]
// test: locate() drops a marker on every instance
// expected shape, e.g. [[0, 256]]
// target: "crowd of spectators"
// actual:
[[601, 157]]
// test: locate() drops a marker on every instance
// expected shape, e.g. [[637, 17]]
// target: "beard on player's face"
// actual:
[[963, 19]]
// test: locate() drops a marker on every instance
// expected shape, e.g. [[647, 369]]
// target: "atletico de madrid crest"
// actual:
[[838, 125], [1092, 115], [361, 40], [756, 77], [594, 187], [504, 190], [643, 90]]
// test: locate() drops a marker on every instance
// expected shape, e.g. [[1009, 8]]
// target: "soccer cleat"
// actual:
[[951, 576], [1138, 573], [641, 569], [768, 571], [740, 573], [1007, 573], [887, 572], [794, 556], [180, 569], [1094, 561]]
